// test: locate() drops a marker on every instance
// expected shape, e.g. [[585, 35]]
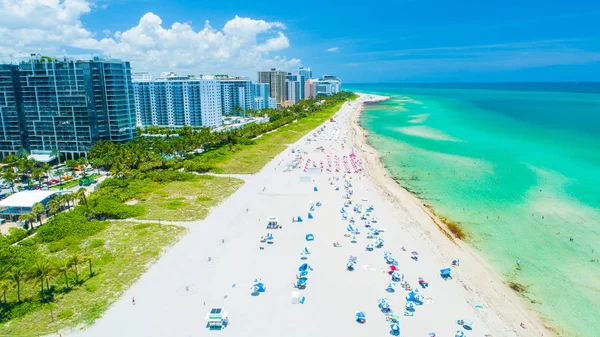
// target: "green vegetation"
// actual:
[[79, 282], [231, 151], [187, 200]]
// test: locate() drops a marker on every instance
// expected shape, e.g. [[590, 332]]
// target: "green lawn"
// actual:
[[252, 158], [187, 200], [121, 253]]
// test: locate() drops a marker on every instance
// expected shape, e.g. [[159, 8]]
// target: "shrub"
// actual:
[[96, 243], [64, 314], [16, 235], [71, 224], [111, 208], [91, 287]]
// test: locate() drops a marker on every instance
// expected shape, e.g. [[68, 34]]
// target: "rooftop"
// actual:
[[26, 198]]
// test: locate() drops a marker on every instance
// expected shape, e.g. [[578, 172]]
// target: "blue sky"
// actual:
[[374, 41]]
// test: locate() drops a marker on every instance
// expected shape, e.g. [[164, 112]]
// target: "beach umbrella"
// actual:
[[361, 316], [391, 285], [301, 281], [306, 251], [396, 276], [395, 327], [394, 318], [459, 333], [257, 280]]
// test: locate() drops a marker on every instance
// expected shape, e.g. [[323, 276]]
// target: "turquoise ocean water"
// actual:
[[518, 166]]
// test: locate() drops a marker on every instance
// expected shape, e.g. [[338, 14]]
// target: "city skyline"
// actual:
[[454, 43]]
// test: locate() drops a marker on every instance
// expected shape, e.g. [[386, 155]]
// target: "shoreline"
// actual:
[[214, 264], [507, 308]]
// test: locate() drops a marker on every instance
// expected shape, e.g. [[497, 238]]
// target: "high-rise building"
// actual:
[[68, 105], [328, 85], [176, 101], [236, 92], [310, 88], [12, 136], [276, 80], [261, 96], [304, 75], [293, 88]]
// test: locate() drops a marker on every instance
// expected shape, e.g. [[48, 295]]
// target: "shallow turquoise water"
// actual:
[[518, 167]]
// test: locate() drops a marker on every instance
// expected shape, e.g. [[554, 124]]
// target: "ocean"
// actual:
[[518, 167]]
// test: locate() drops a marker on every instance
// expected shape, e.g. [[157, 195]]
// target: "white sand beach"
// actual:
[[215, 264]]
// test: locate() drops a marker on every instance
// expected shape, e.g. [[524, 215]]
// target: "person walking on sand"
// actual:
[[133, 300]]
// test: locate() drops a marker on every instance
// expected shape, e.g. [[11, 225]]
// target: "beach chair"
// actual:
[[446, 273]]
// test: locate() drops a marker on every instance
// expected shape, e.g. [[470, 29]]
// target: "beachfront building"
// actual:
[[293, 90], [236, 92], [272, 103], [68, 105], [325, 86], [304, 74], [261, 96], [276, 80], [176, 101], [11, 117], [310, 88]]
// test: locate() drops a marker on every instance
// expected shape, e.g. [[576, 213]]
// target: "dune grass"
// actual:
[[120, 255], [187, 200]]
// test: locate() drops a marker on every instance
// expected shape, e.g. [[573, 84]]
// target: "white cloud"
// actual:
[[333, 49], [241, 47]]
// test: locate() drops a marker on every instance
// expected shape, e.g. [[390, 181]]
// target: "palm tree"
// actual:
[[17, 274], [5, 287], [27, 218], [53, 206], [80, 196], [38, 209], [10, 177], [56, 154], [40, 272], [88, 259], [75, 260], [63, 267]]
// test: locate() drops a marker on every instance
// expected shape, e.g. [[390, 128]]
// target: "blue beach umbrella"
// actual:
[[301, 281], [395, 327]]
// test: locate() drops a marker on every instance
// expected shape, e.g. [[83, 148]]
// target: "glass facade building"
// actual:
[[12, 135], [69, 105]]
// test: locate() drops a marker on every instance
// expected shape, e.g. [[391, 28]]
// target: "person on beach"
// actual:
[[133, 300]]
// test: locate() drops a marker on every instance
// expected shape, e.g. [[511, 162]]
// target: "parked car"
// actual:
[[55, 181]]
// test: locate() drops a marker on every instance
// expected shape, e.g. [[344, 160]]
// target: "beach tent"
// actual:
[[310, 216], [315, 189], [304, 267], [361, 317], [301, 283], [446, 273], [310, 237], [258, 288], [390, 287]]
